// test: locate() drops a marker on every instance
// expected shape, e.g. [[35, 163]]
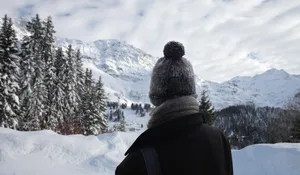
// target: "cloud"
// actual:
[[223, 38]]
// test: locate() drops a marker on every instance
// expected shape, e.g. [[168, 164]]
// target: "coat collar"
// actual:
[[165, 132]]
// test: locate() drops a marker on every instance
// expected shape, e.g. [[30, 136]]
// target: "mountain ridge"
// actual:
[[126, 74], [238, 90], [115, 57]]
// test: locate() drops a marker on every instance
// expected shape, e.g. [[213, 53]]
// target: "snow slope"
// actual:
[[266, 159], [128, 90], [117, 58], [47, 153]]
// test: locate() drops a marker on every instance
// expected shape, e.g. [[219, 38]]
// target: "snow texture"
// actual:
[[47, 153]]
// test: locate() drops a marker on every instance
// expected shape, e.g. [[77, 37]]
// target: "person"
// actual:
[[182, 142]]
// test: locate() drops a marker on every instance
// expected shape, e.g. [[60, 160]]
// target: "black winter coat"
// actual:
[[185, 146]]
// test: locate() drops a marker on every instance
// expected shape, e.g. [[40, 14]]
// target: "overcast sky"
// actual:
[[223, 38]]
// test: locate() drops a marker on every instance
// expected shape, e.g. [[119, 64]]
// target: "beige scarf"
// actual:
[[174, 108]]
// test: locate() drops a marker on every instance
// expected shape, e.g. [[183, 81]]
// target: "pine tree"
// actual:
[[9, 69], [295, 131], [48, 40], [91, 117], [71, 96], [79, 82], [49, 120], [85, 100], [26, 81], [121, 126], [101, 105], [60, 65], [33, 89], [88, 82], [207, 109]]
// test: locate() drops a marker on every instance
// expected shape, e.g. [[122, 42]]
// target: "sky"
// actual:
[[222, 38]]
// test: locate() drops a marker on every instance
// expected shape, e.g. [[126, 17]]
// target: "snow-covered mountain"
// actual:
[[126, 72], [114, 57], [272, 88], [126, 69]]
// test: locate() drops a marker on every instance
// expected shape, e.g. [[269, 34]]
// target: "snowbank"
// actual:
[[47, 153], [266, 159]]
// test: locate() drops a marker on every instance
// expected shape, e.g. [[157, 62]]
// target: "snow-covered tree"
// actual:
[[49, 120], [93, 106], [79, 82], [294, 107], [207, 109], [60, 65], [79, 72], [90, 120], [295, 131], [70, 80], [33, 88], [88, 80], [48, 40], [120, 126], [9, 71], [26, 81], [85, 97], [71, 96], [101, 105]]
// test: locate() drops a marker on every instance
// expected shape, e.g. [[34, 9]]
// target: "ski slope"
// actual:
[[47, 153]]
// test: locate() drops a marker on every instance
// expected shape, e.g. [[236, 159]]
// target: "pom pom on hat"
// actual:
[[174, 50]]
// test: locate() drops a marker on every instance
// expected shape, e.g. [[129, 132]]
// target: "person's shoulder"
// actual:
[[213, 133], [132, 164], [211, 130]]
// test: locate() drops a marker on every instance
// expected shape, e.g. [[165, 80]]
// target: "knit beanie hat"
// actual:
[[172, 75]]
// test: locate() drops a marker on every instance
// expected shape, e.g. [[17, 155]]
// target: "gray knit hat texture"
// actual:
[[172, 75]]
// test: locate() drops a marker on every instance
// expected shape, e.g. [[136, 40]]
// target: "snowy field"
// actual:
[[47, 153]]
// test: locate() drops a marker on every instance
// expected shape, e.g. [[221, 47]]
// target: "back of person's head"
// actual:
[[172, 75]]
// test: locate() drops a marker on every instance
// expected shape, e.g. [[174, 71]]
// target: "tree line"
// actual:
[[247, 124], [43, 87]]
